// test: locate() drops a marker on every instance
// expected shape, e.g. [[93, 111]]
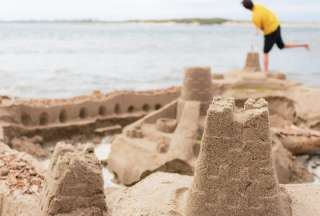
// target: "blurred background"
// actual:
[[55, 49]]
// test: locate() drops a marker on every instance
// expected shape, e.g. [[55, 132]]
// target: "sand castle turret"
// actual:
[[74, 185], [252, 62], [234, 173], [197, 86]]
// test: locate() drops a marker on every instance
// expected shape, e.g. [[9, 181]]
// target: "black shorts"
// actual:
[[271, 39]]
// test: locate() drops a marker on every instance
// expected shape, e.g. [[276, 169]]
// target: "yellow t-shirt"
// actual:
[[264, 19]]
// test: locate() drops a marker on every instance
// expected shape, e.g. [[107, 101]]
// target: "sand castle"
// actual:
[[169, 137], [238, 147], [234, 174]]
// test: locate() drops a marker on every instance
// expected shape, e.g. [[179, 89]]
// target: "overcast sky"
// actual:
[[289, 10]]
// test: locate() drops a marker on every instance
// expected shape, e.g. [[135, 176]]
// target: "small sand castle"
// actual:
[[74, 185], [252, 62], [234, 173]]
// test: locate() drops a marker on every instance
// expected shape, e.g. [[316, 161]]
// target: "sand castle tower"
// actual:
[[74, 185], [234, 173], [197, 86], [252, 62]]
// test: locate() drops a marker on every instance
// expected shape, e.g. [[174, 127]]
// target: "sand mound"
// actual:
[[74, 184]]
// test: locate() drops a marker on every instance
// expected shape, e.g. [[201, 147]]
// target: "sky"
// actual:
[[287, 10]]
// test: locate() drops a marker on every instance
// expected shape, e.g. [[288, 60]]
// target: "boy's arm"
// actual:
[[258, 31]]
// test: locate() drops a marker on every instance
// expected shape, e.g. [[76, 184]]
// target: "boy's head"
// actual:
[[248, 4]]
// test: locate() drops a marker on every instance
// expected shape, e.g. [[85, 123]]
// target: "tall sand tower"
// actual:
[[234, 173], [252, 62], [197, 86]]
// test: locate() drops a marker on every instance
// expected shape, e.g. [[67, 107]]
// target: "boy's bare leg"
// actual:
[[266, 63], [288, 46]]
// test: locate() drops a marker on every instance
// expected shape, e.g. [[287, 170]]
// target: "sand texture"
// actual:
[[166, 194]]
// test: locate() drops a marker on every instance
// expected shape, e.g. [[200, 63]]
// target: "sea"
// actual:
[[65, 59]]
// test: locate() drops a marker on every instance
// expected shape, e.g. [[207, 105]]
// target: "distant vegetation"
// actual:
[[199, 21]]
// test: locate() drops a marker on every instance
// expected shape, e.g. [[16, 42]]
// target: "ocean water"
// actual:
[[56, 60]]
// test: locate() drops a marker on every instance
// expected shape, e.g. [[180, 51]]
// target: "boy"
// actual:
[[265, 20]]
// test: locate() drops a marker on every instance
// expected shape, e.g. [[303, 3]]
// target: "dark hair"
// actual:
[[248, 4]]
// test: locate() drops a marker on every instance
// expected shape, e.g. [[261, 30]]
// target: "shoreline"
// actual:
[[286, 24]]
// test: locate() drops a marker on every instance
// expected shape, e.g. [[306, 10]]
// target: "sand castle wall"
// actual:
[[26, 118], [184, 139], [234, 173]]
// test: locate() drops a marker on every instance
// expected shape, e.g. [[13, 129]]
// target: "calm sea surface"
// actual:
[[54, 60]]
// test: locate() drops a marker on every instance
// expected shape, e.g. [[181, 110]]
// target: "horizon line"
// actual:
[[139, 20]]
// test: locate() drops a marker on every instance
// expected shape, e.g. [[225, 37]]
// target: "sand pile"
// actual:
[[288, 168], [21, 181], [19, 174], [299, 140], [32, 146], [74, 185]]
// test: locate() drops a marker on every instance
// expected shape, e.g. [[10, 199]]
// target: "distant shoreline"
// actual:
[[186, 21], [197, 21]]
